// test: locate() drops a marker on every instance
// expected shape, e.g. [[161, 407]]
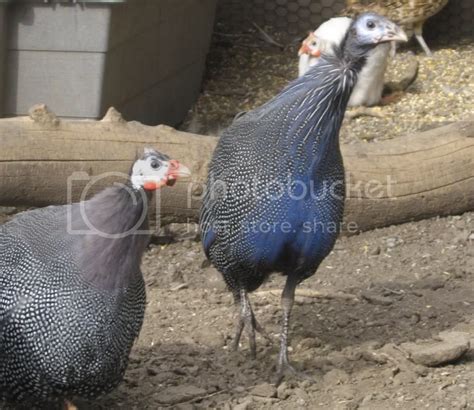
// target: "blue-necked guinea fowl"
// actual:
[[275, 191], [410, 14], [72, 295]]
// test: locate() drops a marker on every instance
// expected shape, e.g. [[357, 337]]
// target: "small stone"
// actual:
[[367, 399], [376, 300], [264, 390], [375, 251], [451, 348], [309, 343], [151, 371], [244, 405], [335, 377], [431, 283], [301, 395], [393, 242], [177, 394], [405, 377], [283, 391], [179, 286]]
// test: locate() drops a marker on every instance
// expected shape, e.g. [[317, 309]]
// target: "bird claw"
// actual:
[[286, 368]]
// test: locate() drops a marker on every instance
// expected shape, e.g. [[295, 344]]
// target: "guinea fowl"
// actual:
[[410, 14], [275, 191], [322, 41], [72, 295], [370, 80]]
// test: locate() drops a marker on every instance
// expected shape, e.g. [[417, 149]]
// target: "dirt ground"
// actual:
[[375, 291]]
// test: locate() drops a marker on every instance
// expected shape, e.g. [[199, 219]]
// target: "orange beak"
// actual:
[[305, 49], [176, 170]]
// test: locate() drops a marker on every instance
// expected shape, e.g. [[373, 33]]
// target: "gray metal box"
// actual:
[[144, 57]]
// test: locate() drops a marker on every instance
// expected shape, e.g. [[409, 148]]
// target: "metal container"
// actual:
[[144, 57]]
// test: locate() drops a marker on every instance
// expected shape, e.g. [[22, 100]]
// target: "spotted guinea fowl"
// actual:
[[72, 296], [275, 189], [370, 80], [410, 14]]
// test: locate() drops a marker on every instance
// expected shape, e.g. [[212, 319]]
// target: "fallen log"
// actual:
[[409, 178]]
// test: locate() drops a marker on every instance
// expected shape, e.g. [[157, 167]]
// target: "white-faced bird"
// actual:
[[275, 190], [72, 295]]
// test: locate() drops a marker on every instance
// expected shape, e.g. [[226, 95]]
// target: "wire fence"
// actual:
[[295, 17]]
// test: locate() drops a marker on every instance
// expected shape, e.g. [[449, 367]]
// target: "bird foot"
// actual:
[[364, 111], [251, 324], [69, 406], [285, 368]]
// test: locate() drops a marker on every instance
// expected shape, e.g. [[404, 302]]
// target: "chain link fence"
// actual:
[[295, 17]]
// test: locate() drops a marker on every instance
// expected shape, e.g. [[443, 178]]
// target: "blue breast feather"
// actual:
[[301, 124]]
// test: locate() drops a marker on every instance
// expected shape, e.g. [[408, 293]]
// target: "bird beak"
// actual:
[[393, 33], [304, 49], [176, 170]]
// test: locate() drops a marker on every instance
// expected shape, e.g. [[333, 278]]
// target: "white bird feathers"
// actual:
[[369, 87]]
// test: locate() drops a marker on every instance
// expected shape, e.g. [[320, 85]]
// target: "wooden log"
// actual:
[[418, 176]]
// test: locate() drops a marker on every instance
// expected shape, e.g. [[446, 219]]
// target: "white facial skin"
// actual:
[[155, 170], [150, 170]]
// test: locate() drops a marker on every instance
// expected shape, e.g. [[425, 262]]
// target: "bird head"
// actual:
[[153, 170], [328, 35], [310, 46], [370, 29]]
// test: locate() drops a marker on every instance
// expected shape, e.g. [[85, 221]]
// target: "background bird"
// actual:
[[370, 80], [275, 190], [410, 14], [324, 39], [72, 296], [308, 53]]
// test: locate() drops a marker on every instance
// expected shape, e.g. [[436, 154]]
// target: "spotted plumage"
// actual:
[[275, 191], [72, 295]]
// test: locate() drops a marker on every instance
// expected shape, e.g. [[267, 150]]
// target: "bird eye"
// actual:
[[313, 43], [370, 24], [155, 164]]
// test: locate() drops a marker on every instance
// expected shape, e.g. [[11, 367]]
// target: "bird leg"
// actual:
[[419, 36], [247, 320], [287, 299]]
